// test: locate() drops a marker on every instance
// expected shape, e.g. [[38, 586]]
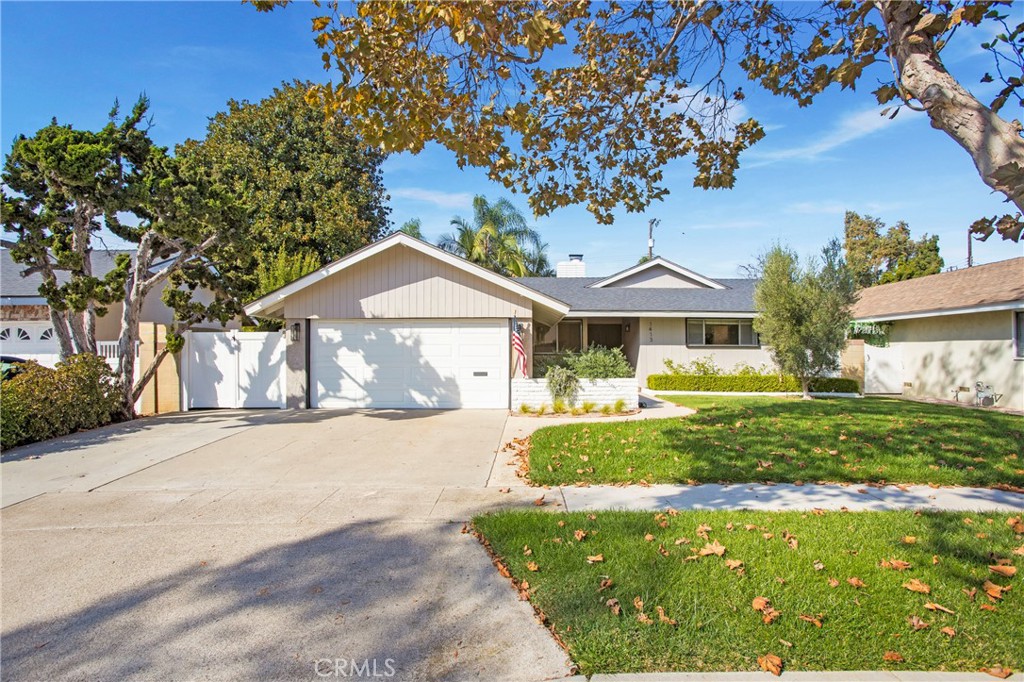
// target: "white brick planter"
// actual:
[[534, 392]]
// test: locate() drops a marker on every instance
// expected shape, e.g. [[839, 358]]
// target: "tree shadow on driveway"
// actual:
[[263, 602]]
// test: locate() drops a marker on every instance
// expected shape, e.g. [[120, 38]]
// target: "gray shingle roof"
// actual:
[[738, 297], [12, 284]]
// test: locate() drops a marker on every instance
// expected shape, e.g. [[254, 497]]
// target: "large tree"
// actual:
[[63, 185], [586, 102], [879, 255], [307, 183], [804, 310], [498, 238]]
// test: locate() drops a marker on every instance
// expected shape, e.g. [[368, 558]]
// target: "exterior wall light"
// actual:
[[293, 332]]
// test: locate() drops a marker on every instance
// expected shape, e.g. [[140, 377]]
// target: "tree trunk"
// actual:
[[147, 375], [76, 322], [134, 294], [993, 143], [805, 385], [59, 320]]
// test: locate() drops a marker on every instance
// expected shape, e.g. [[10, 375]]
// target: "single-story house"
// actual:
[[402, 323], [953, 329]]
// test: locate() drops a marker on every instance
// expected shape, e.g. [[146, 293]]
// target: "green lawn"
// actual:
[[787, 440], [717, 627]]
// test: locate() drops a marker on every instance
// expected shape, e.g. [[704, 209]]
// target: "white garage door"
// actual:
[[410, 363]]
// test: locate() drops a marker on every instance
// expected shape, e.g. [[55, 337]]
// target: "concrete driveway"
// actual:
[[266, 545]]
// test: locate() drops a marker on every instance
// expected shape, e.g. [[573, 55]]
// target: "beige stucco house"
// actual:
[[954, 329], [401, 323]]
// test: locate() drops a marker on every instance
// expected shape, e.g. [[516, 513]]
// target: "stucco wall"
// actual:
[[403, 283], [942, 353], [665, 338], [534, 392]]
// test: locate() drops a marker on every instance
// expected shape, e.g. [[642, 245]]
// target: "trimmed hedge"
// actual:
[[747, 384], [41, 403]]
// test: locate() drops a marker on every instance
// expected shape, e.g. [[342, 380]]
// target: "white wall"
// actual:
[[945, 352], [534, 392], [665, 338]]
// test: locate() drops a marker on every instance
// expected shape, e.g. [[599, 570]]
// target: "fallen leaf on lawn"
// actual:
[[788, 645], [909, 540], [917, 623], [1019, 550], [816, 622], [892, 656], [733, 564], [935, 559], [769, 615], [702, 530], [644, 618], [988, 607], [998, 671], [638, 603], [605, 584], [614, 605], [527, 551], [932, 606], [832, 582], [579, 535], [1005, 571], [971, 592], [649, 537], [856, 582], [760, 603], [1015, 524], [895, 564], [683, 541], [915, 585], [662, 617], [715, 548], [948, 631], [539, 502], [532, 566], [749, 526], [767, 536], [662, 551], [770, 663], [595, 559], [781, 581], [994, 591], [818, 566]]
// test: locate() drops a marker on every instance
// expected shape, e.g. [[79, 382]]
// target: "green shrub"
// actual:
[[606, 409], [542, 409], [698, 366], [620, 406], [525, 409], [598, 362], [563, 385], [558, 406], [41, 403], [589, 406], [749, 384], [542, 362]]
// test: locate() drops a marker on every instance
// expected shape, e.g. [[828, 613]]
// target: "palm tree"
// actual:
[[498, 239], [412, 227]]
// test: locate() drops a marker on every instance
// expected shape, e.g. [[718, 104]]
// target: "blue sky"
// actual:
[[72, 59]]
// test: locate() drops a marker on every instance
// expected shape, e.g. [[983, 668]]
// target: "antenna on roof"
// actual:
[[651, 224]]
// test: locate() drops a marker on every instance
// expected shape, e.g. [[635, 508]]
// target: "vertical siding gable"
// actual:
[[403, 283]]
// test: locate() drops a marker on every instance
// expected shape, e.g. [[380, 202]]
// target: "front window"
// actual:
[[1018, 328], [720, 333], [565, 336]]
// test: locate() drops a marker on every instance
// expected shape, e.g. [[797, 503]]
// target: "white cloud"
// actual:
[[847, 129], [435, 197]]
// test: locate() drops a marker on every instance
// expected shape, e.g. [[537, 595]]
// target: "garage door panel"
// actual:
[[401, 363]]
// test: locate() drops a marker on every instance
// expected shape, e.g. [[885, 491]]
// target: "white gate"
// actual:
[[234, 369], [883, 369]]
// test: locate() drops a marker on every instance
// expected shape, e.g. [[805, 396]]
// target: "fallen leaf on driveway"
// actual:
[[505, 490], [915, 585], [770, 663], [539, 502]]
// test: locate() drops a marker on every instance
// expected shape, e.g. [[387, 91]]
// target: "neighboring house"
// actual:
[[401, 323], [953, 329]]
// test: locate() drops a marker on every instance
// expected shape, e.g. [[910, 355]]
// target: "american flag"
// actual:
[[518, 349]]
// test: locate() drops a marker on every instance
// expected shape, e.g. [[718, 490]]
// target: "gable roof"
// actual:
[[733, 297], [996, 286], [270, 302], [13, 285], [656, 262]]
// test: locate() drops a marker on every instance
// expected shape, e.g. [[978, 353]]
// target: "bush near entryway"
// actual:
[[748, 384], [40, 403]]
